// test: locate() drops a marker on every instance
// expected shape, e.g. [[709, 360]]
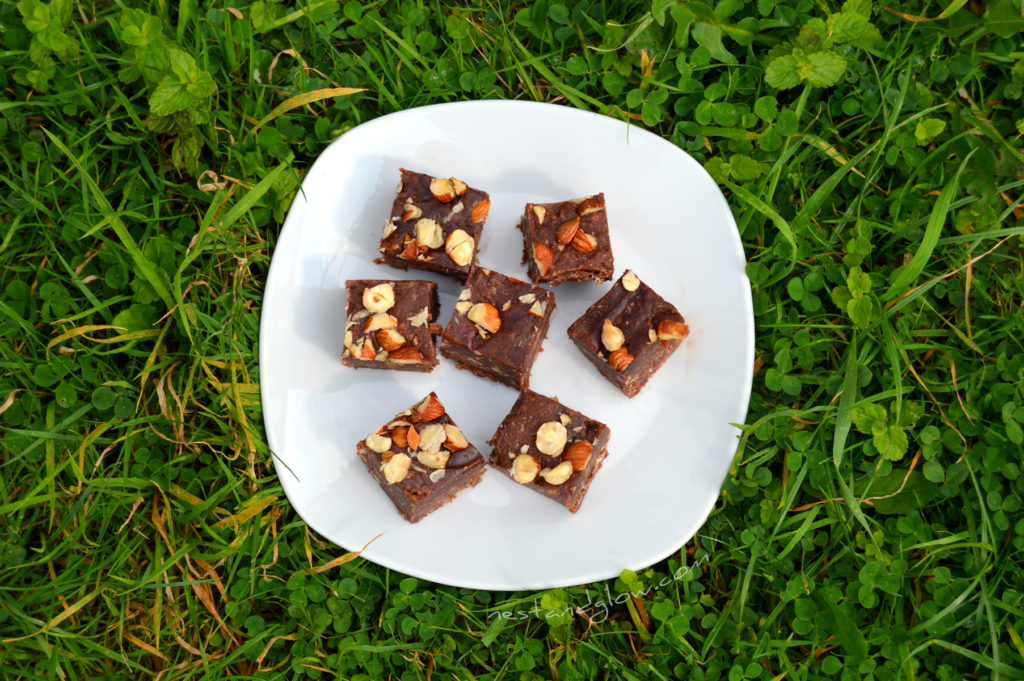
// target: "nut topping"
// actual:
[[431, 438], [630, 281], [670, 329], [378, 443], [543, 256], [620, 359], [458, 185], [611, 336], [558, 474], [399, 436], [420, 318], [567, 230], [578, 454], [428, 409], [459, 247], [485, 316], [381, 320], [465, 293], [410, 250], [433, 459], [368, 352], [539, 212], [442, 189], [379, 298], [389, 339], [537, 309], [525, 469], [412, 212], [480, 210], [389, 229], [589, 205], [406, 353], [396, 468], [551, 438], [652, 335], [412, 438], [462, 307], [428, 233], [583, 242], [436, 475], [455, 440], [527, 298]]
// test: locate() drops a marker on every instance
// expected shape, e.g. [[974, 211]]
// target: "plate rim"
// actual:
[[284, 473]]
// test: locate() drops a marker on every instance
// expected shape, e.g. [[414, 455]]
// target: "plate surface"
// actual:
[[671, 446]]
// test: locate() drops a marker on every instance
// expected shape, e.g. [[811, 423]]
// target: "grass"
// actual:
[[871, 526]]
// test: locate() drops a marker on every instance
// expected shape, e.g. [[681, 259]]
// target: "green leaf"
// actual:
[[867, 416], [1014, 433], [169, 97], [710, 37], [745, 169], [928, 129], [933, 471], [846, 401], [783, 72], [858, 282], [823, 69], [139, 28], [863, 311], [35, 15], [846, 631], [915, 493], [852, 28], [862, 7], [766, 108], [658, 9], [684, 21], [890, 441]]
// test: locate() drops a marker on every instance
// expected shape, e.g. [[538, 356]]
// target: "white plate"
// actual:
[[671, 446]]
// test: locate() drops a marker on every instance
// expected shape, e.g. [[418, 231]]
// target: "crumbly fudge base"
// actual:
[[459, 274], [572, 503], [485, 368], [358, 363], [415, 510], [629, 384]]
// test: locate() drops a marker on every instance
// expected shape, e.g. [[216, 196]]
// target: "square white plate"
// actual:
[[671, 446]]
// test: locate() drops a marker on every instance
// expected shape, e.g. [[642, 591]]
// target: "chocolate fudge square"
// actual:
[[629, 333], [498, 326], [550, 448], [390, 325], [435, 225], [567, 241], [421, 459]]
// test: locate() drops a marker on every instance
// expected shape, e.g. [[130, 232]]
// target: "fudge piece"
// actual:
[[435, 225], [498, 326], [550, 448], [390, 325], [421, 459], [629, 333], [567, 241]]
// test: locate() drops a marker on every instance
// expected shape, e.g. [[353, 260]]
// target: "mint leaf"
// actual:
[[823, 69], [863, 311], [852, 28], [170, 96], [928, 129], [867, 416], [890, 441], [35, 15], [858, 282], [783, 73]]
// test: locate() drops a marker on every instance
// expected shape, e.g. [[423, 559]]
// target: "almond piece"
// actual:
[[485, 316], [551, 438], [389, 339], [620, 359], [577, 454], [442, 189], [558, 474], [428, 409], [399, 437], [459, 246], [396, 468], [525, 469], [611, 336], [428, 233], [630, 281], [480, 210], [567, 230], [455, 440], [434, 460], [589, 205], [412, 212], [379, 298], [378, 443], [368, 352], [537, 309], [670, 329], [458, 185], [412, 438], [431, 438], [543, 256], [583, 242], [406, 353]]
